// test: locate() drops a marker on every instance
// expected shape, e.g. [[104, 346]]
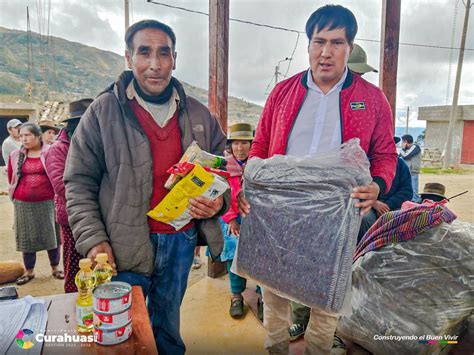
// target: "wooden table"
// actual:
[[62, 319]]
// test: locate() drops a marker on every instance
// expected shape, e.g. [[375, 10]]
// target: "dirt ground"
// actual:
[[45, 284]]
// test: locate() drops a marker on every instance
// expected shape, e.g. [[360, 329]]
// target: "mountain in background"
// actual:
[[66, 71]]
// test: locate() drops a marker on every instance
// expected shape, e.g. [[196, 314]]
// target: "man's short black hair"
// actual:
[[138, 26], [332, 17], [407, 138]]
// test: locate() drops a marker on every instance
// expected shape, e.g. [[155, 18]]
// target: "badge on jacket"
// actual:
[[359, 105]]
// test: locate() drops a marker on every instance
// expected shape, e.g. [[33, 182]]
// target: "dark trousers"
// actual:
[[29, 258], [367, 221]]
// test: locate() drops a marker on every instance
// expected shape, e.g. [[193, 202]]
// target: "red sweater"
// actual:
[[34, 185], [365, 114], [166, 150]]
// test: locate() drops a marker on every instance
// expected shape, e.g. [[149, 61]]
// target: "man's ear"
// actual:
[[128, 56], [175, 55]]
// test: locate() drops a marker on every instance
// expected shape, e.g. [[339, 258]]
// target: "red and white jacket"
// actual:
[[365, 114]]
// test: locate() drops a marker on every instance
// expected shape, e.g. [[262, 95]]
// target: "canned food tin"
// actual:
[[112, 320], [112, 297], [113, 336]]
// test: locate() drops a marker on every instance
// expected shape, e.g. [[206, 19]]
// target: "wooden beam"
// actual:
[[219, 59], [216, 268], [389, 43], [218, 82]]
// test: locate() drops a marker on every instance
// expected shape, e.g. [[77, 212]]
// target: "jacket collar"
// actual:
[[347, 82], [62, 136], [120, 88]]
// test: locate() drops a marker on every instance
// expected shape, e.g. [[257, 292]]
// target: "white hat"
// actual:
[[13, 123]]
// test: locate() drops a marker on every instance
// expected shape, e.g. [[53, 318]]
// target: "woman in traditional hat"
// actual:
[[55, 163], [238, 146], [433, 191], [32, 196], [49, 131]]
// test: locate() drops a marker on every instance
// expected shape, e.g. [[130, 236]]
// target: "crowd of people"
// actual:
[[97, 177]]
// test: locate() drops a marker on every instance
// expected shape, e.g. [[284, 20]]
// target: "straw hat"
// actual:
[[48, 124], [240, 131]]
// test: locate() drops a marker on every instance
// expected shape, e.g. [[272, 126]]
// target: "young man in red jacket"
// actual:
[[313, 112]]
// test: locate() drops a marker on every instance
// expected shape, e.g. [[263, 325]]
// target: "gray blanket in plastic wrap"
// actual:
[[421, 289], [300, 235]]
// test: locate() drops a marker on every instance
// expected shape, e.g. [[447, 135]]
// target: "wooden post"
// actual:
[[219, 59], [218, 82], [389, 51], [216, 268]]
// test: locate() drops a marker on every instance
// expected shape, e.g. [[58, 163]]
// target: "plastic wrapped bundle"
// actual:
[[300, 235], [407, 294]]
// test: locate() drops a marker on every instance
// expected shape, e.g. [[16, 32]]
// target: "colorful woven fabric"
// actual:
[[404, 224], [233, 167]]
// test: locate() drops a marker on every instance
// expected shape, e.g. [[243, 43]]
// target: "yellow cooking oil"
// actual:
[[102, 269], [85, 282]]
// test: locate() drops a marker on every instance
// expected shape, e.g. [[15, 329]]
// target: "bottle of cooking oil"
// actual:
[[85, 281], [102, 270]]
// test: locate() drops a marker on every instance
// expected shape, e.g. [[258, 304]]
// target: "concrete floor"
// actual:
[[207, 328]]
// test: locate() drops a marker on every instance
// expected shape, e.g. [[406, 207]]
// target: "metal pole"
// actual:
[[127, 24], [449, 138], [408, 119], [276, 74]]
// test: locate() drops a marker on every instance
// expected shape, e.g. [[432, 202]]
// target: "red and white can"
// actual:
[[113, 336], [112, 297], [112, 320]]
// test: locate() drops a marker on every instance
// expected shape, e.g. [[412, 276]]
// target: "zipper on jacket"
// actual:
[[347, 84], [340, 117]]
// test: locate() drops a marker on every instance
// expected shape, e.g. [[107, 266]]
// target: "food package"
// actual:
[[194, 154], [173, 209]]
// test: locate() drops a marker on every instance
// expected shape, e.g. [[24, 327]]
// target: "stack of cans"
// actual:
[[112, 312]]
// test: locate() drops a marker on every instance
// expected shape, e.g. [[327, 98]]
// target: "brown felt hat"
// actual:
[[77, 108], [48, 124], [434, 191]]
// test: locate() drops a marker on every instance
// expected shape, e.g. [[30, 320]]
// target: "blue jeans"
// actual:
[[414, 185], [166, 286]]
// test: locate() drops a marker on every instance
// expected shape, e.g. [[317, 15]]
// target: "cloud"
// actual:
[[79, 21]]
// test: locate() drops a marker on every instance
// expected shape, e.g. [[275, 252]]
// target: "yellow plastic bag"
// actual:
[[173, 209]]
